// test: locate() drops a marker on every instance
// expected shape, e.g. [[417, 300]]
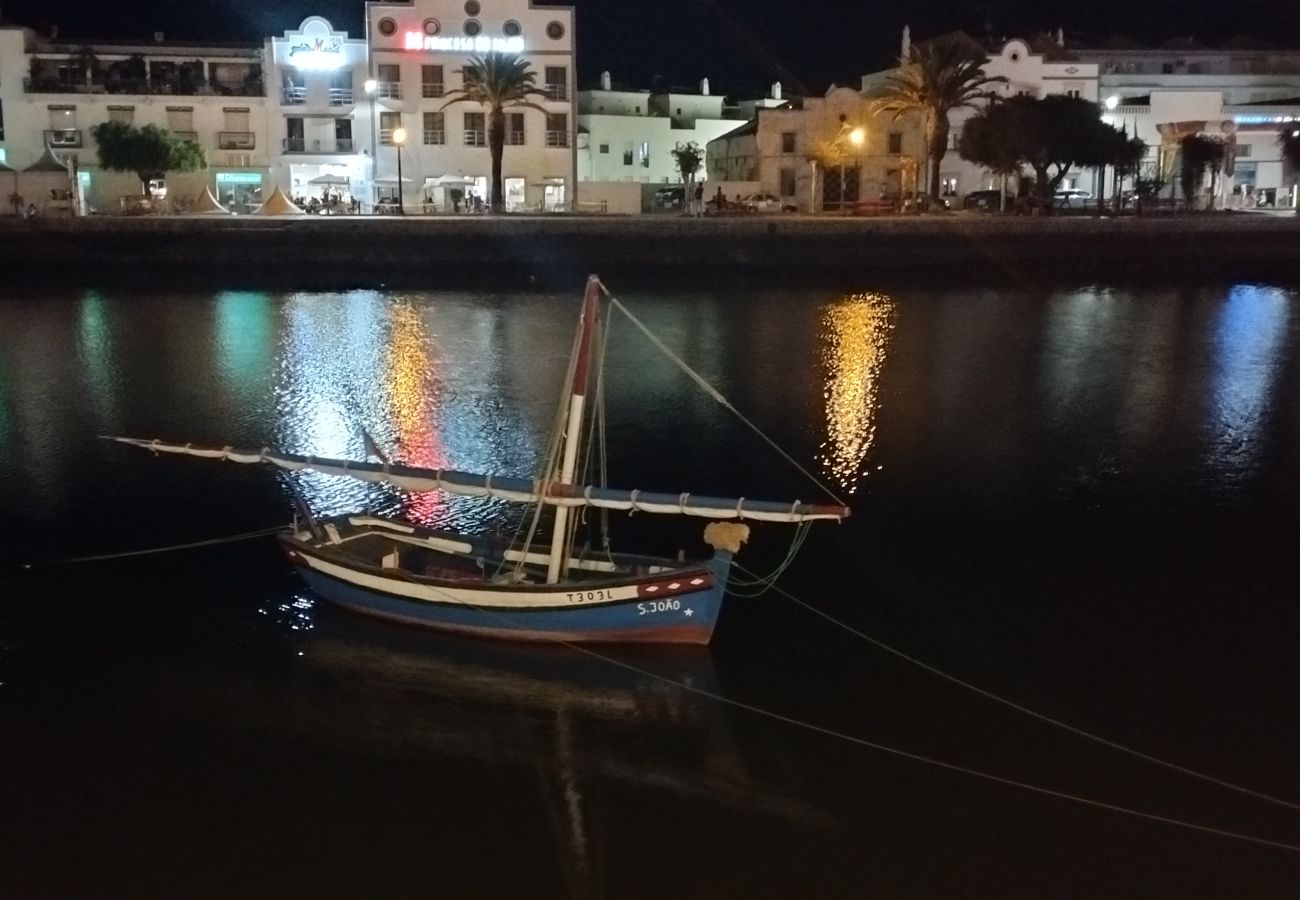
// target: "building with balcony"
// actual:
[[319, 130], [626, 134], [418, 51], [53, 93]]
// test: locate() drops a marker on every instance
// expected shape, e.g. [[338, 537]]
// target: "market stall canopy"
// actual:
[[451, 180], [279, 205], [389, 179], [330, 179], [48, 163], [206, 205]]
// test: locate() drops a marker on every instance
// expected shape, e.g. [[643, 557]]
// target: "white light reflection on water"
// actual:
[[297, 612], [855, 338], [1248, 342], [421, 376], [95, 356]]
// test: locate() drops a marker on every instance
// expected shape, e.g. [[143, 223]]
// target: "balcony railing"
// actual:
[[63, 137], [432, 89], [191, 136], [557, 139], [388, 90], [474, 138], [434, 136], [236, 140], [556, 91], [303, 145], [340, 96], [52, 84], [294, 95], [514, 138]]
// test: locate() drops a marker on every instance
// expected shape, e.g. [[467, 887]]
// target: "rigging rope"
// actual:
[[245, 536], [1042, 717], [894, 751], [713, 392]]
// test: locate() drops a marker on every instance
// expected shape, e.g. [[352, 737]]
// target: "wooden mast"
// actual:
[[573, 427]]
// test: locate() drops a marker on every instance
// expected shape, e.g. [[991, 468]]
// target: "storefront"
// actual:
[[239, 192]]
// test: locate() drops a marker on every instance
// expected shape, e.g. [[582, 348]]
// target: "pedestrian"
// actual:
[[719, 201], [699, 198]]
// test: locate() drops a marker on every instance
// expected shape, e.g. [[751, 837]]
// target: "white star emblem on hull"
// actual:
[[689, 611]]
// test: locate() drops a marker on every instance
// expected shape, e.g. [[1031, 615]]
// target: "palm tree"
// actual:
[[499, 81], [937, 77]]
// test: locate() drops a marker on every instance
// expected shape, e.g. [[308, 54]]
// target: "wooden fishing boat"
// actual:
[[518, 589]]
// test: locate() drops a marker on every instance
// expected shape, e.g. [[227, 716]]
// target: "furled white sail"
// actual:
[[513, 490]]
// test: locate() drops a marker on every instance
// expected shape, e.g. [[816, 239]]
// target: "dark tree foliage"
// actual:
[[150, 152], [1199, 154], [1050, 136]]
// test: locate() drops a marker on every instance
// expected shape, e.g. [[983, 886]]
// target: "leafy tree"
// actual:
[[150, 152], [1199, 153], [1052, 136], [499, 81], [937, 77], [688, 156]]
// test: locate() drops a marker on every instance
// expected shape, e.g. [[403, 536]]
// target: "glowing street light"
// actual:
[[1112, 101], [399, 138], [857, 136]]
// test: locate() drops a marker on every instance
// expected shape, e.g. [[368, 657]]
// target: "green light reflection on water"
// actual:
[[95, 348], [244, 336]]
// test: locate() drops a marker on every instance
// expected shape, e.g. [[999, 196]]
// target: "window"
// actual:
[[343, 135], [1074, 92], [1243, 150], [557, 83], [627, 153], [644, 154], [389, 81], [557, 129], [515, 129], [472, 8], [123, 114], [432, 26], [787, 141], [475, 130], [180, 118], [604, 148], [554, 30], [387, 27], [435, 128], [388, 123], [787, 182], [431, 83], [473, 28], [512, 28], [895, 142], [63, 117], [235, 119]]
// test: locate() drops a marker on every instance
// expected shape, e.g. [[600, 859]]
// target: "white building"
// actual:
[[822, 154], [1039, 70], [320, 129], [52, 94], [418, 50], [1240, 92], [629, 135]]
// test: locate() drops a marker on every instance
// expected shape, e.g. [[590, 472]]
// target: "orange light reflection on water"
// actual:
[[410, 385], [855, 338]]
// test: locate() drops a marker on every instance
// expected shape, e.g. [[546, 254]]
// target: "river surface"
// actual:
[[1085, 499]]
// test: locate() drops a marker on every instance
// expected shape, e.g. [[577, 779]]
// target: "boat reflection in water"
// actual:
[[580, 755], [855, 337]]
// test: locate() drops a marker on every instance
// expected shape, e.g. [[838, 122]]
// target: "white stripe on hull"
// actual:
[[476, 595]]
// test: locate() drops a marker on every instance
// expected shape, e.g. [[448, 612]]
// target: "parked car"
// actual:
[[670, 198], [925, 203], [764, 203], [1071, 197], [988, 201]]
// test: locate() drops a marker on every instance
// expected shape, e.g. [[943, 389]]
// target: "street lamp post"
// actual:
[[371, 87], [399, 138]]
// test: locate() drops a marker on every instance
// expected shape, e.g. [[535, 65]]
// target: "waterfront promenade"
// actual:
[[965, 246]]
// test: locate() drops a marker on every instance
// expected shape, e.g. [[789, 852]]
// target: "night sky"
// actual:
[[742, 45]]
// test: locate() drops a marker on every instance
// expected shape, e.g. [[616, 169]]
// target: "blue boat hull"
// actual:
[[684, 618]]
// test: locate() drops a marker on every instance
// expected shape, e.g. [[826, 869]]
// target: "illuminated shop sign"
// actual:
[[1264, 120], [316, 53], [416, 40]]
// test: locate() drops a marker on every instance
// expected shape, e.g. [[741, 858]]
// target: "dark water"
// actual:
[[1086, 499]]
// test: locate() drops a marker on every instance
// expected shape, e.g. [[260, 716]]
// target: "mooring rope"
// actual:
[[894, 751], [99, 557], [713, 392], [1042, 717]]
